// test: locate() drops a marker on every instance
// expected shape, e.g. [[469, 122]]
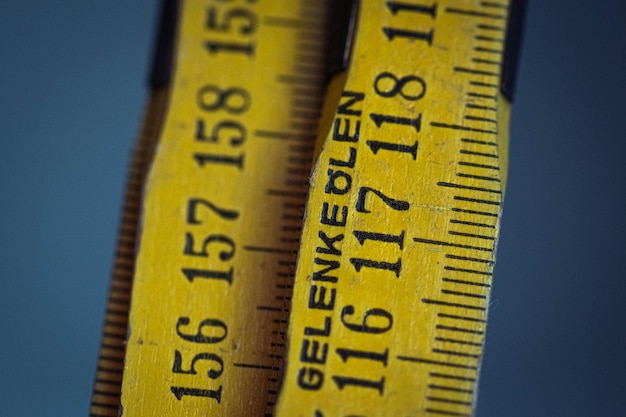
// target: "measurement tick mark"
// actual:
[[455, 233], [486, 155], [454, 353], [490, 27], [459, 281], [469, 271], [455, 245], [454, 221], [464, 294], [490, 50], [448, 304], [476, 177], [465, 318], [449, 401], [481, 84], [476, 200], [461, 127], [479, 95], [471, 164], [448, 376], [475, 13], [467, 187], [433, 362], [488, 39], [469, 259], [253, 366], [453, 389], [459, 329], [475, 71], [446, 413], [478, 142]]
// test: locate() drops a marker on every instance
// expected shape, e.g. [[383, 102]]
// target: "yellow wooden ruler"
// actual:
[[396, 263], [395, 253], [221, 215]]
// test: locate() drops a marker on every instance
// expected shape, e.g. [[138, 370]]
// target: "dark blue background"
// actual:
[[72, 88]]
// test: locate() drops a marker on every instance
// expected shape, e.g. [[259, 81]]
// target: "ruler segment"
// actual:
[[109, 369], [222, 211], [392, 286]]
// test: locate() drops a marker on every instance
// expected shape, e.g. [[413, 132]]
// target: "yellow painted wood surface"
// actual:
[[222, 212], [396, 262]]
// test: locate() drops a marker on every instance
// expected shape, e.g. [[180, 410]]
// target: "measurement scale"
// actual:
[[396, 262], [392, 284], [221, 215]]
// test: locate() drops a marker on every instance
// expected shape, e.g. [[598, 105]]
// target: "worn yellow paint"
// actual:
[[235, 373], [436, 283]]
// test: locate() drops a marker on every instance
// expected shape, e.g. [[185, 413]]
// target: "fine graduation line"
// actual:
[[253, 366], [474, 13], [460, 127], [455, 245], [433, 362]]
